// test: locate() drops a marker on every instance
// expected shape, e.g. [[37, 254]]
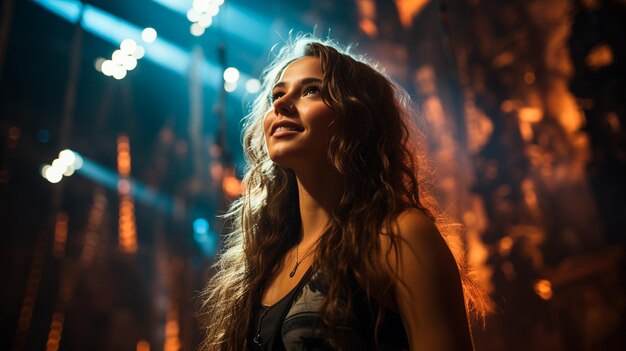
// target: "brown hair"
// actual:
[[376, 149]]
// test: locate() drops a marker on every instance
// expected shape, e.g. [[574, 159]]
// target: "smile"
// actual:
[[286, 128]]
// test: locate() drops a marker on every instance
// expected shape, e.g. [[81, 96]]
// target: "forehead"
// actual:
[[304, 67]]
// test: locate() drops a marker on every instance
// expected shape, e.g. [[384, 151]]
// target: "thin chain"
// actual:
[[298, 261]]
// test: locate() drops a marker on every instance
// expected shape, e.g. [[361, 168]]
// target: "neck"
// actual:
[[319, 193]]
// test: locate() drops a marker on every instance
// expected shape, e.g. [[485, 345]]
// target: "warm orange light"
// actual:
[[368, 27], [143, 345], [530, 114], [408, 9], [529, 78], [54, 335], [505, 245], [60, 235], [543, 288], [217, 170], [600, 56], [172, 341], [127, 236], [232, 186]]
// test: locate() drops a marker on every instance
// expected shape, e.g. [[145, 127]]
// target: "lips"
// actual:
[[283, 128]]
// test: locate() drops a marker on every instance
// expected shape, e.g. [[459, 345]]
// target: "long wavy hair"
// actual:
[[377, 149]]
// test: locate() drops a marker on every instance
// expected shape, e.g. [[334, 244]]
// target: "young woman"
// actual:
[[335, 242]]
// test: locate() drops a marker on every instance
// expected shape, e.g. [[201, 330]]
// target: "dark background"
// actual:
[[525, 107]]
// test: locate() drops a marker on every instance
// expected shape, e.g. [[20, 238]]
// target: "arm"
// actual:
[[428, 288]]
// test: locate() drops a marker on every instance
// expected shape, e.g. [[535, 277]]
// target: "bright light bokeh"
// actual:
[[78, 162], [193, 15], [53, 174], [231, 75], [128, 46], [230, 86], [213, 9], [196, 29], [253, 86], [129, 63], [205, 20], [98, 63], [59, 165], [108, 68], [119, 73], [201, 225], [67, 157], [201, 5], [117, 56], [149, 35], [139, 52]]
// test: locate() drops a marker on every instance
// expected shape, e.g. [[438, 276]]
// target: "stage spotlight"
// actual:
[[230, 86], [98, 63], [231, 75], [201, 5], [253, 86], [149, 35], [119, 73], [53, 174], [213, 9], [108, 67], [43, 170], [60, 165], [67, 157], [78, 162], [139, 52], [197, 29], [69, 171], [193, 15], [205, 20], [118, 56], [128, 46], [129, 63]]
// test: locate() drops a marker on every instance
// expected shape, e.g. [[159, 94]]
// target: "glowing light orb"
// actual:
[[205, 20], [193, 15], [119, 73], [201, 225], [128, 46], [129, 63], [231, 75], [98, 63], [118, 56], [108, 68], [253, 86], [53, 174], [67, 157], [139, 52], [196, 29], [230, 86], [149, 35]]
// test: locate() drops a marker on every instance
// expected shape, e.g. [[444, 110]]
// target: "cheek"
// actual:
[[267, 121]]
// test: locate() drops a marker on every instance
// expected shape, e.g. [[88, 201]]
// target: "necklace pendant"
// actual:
[[293, 272]]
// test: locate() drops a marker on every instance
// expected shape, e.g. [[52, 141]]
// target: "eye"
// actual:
[[275, 96], [313, 89]]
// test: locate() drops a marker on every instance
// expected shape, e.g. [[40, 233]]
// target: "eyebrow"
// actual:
[[304, 81]]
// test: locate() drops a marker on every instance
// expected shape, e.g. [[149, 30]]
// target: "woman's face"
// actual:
[[297, 127]]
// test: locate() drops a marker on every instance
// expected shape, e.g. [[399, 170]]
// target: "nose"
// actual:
[[284, 106]]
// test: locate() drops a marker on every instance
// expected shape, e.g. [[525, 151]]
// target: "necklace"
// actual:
[[298, 261]]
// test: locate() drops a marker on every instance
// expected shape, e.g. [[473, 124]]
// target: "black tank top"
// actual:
[[269, 318], [294, 323]]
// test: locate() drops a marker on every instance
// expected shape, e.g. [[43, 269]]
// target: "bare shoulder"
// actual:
[[417, 235], [428, 289]]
